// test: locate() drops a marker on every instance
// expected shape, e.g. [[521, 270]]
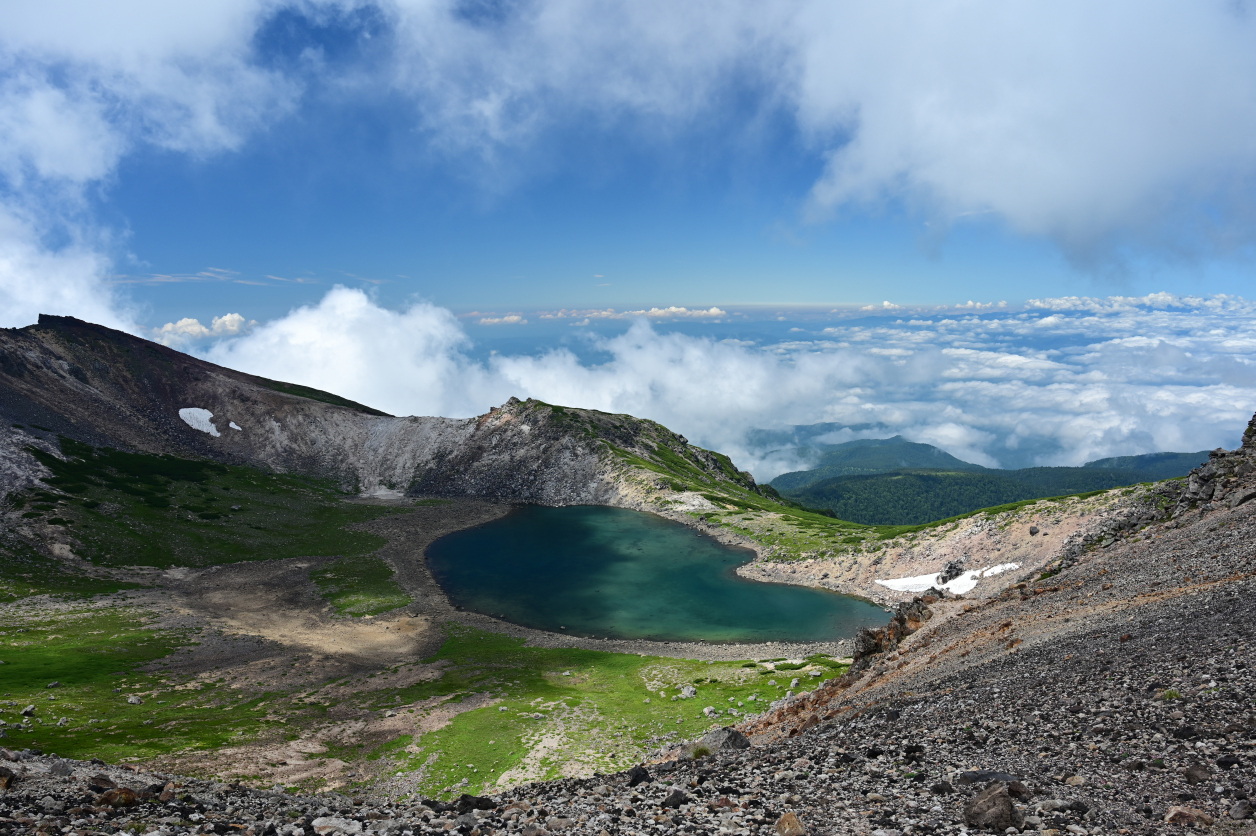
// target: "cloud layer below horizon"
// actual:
[[1059, 382]]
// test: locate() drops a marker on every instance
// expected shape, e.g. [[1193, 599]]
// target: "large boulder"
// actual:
[[1187, 816], [718, 740], [992, 809]]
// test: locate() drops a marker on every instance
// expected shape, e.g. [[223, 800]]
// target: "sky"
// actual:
[[1022, 232]]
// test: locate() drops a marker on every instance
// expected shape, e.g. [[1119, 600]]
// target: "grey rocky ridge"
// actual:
[[105, 388], [1106, 686]]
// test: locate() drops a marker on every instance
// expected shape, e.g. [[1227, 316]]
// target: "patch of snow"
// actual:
[[692, 501], [198, 419], [382, 492], [233, 425], [957, 586]]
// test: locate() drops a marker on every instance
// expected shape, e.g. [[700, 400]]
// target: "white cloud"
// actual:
[[1089, 125], [670, 312], [187, 330], [232, 323], [404, 362], [1067, 120], [1097, 126], [81, 85], [509, 319], [1029, 387], [35, 279]]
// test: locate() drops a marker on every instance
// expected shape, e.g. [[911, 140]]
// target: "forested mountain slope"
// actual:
[[892, 482]]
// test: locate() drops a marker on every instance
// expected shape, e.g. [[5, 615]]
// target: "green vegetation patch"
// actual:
[[97, 656], [360, 586], [589, 706], [316, 395], [915, 497], [25, 572], [133, 509]]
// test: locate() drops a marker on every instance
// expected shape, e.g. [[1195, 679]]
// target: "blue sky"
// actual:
[[333, 194], [221, 176]]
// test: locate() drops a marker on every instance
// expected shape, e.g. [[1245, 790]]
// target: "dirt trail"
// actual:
[[277, 602]]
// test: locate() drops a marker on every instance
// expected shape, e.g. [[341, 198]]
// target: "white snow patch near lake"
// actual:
[[957, 586], [233, 425], [198, 419]]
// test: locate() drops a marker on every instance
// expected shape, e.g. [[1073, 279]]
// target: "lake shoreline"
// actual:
[[406, 551]]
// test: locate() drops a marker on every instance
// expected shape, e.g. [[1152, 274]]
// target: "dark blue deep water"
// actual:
[[612, 573]]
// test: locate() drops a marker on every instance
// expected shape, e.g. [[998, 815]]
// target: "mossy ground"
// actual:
[[25, 571], [565, 710], [96, 653], [128, 509], [555, 710], [360, 586]]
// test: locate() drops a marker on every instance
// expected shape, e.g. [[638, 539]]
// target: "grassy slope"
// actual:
[[140, 510], [580, 695], [96, 652], [150, 510], [24, 571], [360, 586], [665, 468], [921, 496]]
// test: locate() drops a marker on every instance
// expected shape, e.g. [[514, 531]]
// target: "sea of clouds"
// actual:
[[1102, 128], [1057, 381]]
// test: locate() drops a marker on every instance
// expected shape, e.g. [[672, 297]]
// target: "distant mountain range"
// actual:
[[893, 481], [869, 457]]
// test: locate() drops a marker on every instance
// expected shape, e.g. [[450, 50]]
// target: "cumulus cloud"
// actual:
[[1070, 120], [187, 331], [670, 312], [509, 319], [1087, 125], [35, 279], [1006, 388], [81, 85], [408, 362]]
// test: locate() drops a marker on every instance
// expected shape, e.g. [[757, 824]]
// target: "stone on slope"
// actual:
[[1187, 815], [466, 803], [984, 776], [789, 825], [637, 775], [725, 738], [119, 797], [1196, 773], [992, 809], [326, 825], [675, 798]]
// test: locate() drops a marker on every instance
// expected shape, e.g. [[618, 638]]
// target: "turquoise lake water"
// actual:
[[612, 573]]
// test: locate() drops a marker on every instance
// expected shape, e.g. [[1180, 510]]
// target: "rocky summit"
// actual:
[[1107, 686], [68, 378]]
